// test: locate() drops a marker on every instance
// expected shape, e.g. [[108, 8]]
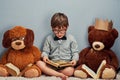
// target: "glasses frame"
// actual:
[[61, 31]]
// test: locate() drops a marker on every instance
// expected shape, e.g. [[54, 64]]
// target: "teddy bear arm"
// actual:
[[36, 53], [115, 63], [114, 60], [3, 60], [3, 68], [82, 56], [30, 71]]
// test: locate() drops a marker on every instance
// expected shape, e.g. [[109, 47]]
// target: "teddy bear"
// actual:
[[98, 61], [20, 55]]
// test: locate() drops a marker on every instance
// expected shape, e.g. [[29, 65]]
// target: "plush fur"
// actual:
[[100, 43], [21, 52]]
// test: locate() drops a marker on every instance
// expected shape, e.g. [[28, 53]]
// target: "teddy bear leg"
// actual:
[[80, 74], [3, 71], [33, 71], [108, 73]]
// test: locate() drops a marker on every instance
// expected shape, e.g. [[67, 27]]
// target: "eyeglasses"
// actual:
[[59, 31]]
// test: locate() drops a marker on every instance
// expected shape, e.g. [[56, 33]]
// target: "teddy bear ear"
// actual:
[[29, 38], [114, 33], [6, 42], [110, 25], [90, 28]]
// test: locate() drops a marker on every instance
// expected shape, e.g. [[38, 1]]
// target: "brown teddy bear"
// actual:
[[21, 56], [98, 60]]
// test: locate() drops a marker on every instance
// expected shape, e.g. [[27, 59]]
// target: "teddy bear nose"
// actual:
[[97, 46], [18, 43]]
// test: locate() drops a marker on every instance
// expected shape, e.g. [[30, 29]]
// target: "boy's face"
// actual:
[[59, 32]]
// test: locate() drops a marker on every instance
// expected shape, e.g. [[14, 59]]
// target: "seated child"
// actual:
[[59, 46]]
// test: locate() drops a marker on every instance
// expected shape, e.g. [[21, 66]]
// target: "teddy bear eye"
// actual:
[[22, 38], [14, 39]]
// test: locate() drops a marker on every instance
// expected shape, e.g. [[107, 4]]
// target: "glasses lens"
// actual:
[[59, 31]]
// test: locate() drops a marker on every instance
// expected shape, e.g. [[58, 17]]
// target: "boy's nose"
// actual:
[[59, 33]]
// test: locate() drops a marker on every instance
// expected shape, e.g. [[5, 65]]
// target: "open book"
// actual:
[[92, 73], [14, 70], [59, 64]]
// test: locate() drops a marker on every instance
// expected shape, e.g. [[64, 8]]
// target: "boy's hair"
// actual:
[[59, 20]]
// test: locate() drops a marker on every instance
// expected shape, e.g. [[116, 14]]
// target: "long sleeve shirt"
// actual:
[[61, 49]]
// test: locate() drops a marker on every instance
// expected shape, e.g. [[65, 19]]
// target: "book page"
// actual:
[[59, 64], [90, 71], [100, 67], [65, 65], [52, 63]]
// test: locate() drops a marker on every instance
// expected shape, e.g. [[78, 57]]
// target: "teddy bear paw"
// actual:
[[31, 73], [80, 74], [108, 73], [3, 72]]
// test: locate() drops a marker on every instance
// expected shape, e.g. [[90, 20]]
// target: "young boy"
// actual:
[[59, 46]]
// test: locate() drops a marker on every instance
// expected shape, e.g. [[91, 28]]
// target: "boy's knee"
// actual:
[[40, 63], [69, 71]]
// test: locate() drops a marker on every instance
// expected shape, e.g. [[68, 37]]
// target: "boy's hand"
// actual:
[[73, 62], [45, 59]]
